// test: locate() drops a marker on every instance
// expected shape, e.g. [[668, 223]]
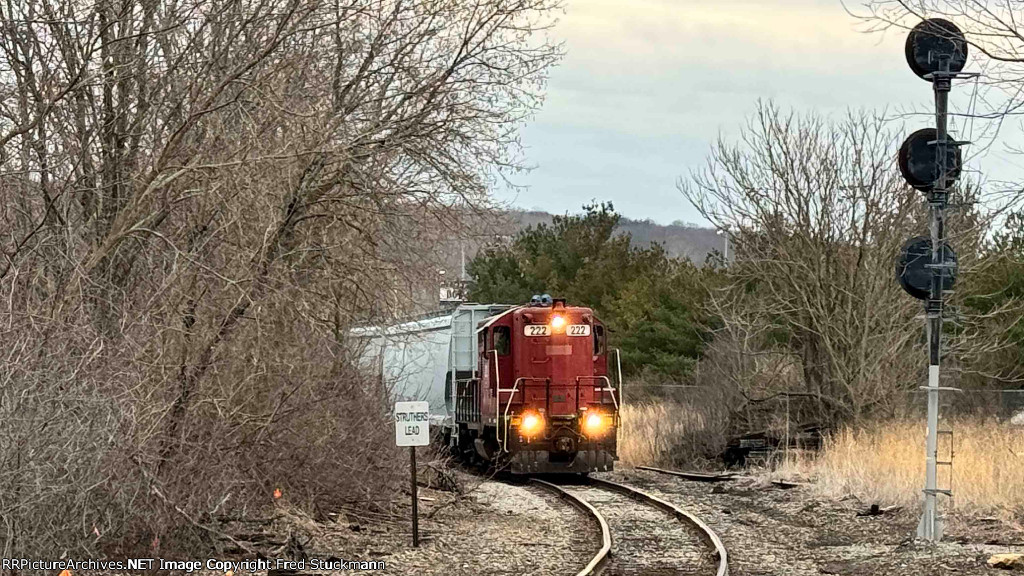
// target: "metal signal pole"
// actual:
[[930, 527], [936, 51]]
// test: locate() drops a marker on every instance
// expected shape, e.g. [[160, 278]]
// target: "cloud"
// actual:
[[648, 85], [779, 34]]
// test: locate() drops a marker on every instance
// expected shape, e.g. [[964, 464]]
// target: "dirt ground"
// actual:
[[493, 528], [770, 530], [501, 529]]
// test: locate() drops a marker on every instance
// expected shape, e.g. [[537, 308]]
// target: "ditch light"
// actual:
[[531, 424], [596, 424]]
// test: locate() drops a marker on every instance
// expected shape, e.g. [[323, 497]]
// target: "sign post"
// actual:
[[412, 429]]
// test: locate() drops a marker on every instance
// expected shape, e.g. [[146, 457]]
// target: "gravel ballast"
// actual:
[[768, 530]]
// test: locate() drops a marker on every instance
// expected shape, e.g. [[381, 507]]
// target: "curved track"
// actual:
[[597, 564], [645, 543]]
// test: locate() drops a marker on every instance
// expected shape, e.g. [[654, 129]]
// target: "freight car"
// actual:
[[524, 387]]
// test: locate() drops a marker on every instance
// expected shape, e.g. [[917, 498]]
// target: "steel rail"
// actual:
[[707, 534], [695, 476], [601, 558]]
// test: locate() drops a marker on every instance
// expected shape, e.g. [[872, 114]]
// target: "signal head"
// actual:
[[933, 41], [918, 160]]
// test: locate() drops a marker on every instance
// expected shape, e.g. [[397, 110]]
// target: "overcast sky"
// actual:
[[646, 87]]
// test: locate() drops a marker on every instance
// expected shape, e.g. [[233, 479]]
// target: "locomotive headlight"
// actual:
[[595, 424], [557, 322], [531, 424]]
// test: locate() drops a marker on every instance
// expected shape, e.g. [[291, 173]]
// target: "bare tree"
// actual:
[[196, 200], [991, 116], [816, 212], [986, 110]]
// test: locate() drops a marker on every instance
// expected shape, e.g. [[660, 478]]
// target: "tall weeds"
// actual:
[[667, 434], [885, 463]]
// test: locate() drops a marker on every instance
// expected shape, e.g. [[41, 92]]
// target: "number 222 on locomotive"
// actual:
[[542, 399]]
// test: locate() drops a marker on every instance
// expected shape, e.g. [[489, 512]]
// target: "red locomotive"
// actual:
[[541, 399]]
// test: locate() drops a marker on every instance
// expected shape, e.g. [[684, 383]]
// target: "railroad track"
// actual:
[[642, 534]]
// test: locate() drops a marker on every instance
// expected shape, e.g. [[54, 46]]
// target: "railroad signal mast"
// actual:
[[930, 161]]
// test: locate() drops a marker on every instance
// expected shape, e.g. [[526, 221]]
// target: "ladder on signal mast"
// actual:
[[944, 460]]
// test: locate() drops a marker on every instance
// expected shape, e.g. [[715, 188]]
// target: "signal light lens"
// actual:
[[557, 322], [595, 424], [531, 424]]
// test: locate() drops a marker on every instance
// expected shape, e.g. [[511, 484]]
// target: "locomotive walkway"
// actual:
[[642, 534]]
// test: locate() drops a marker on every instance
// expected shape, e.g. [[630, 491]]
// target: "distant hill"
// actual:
[[679, 239]]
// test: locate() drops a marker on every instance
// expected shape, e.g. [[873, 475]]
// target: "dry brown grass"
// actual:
[[652, 434], [884, 463]]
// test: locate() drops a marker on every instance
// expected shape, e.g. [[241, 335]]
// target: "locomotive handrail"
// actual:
[[608, 388], [501, 427], [618, 365], [497, 425], [503, 442], [497, 398]]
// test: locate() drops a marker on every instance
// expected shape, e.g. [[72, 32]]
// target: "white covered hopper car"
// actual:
[[419, 359]]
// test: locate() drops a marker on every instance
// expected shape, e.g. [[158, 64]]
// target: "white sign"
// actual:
[[536, 330], [578, 330], [412, 423]]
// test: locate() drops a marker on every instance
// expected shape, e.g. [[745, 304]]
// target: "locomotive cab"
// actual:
[[543, 400]]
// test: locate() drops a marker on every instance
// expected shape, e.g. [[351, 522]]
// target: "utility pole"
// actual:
[[462, 257], [930, 161]]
